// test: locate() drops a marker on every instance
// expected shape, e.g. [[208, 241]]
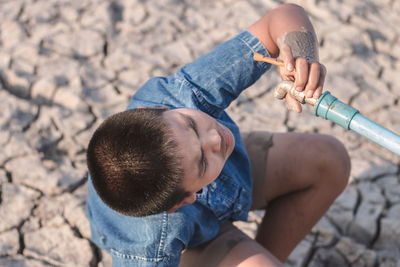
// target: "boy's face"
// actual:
[[204, 146]]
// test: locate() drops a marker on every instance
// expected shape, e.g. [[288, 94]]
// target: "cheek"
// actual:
[[215, 169]]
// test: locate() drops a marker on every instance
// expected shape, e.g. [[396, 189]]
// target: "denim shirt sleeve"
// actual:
[[220, 76], [209, 83]]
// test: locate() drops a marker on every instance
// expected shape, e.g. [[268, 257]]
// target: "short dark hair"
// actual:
[[134, 165]]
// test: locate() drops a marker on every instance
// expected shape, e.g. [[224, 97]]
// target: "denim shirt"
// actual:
[[209, 84]]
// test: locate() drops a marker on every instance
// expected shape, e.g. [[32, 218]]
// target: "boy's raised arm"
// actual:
[[287, 32]]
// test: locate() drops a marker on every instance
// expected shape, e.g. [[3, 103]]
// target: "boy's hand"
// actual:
[[287, 32], [307, 74]]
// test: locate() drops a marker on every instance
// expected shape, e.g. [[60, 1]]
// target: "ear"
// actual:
[[187, 200]]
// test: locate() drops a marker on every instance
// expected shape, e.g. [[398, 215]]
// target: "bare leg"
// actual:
[[230, 248], [304, 175], [250, 253]]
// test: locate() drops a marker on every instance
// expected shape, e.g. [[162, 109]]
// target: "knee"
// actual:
[[333, 163]]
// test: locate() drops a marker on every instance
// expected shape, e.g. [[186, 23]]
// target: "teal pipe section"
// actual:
[[376, 133], [330, 108]]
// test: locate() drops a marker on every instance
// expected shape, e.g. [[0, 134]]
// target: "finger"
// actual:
[[313, 79], [318, 91], [286, 56], [301, 74], [292, 104], [285, 75]]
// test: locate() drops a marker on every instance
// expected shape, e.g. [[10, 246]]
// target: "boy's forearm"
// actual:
[[287, 32], [287, 24]]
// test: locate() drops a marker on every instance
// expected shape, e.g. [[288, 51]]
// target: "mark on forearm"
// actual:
[[302, 43]]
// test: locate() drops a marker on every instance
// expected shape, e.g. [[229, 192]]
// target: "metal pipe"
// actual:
[[330, 108]]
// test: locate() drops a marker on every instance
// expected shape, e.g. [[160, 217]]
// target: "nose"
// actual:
[[212, 141]]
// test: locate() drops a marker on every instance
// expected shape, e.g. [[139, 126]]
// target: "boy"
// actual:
[[171, 173]]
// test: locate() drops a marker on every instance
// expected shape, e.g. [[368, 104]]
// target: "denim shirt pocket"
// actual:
[[227, 199]]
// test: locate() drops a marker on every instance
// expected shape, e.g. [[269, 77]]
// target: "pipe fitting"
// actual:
[[287, 87]]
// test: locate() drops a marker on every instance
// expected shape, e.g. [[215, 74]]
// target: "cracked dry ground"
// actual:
[[67, 65]]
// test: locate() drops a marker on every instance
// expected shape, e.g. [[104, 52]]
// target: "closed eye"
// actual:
[[204, 162], [191, 123]]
